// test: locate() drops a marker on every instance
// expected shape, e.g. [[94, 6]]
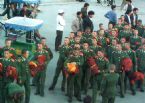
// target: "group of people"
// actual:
[[104, 59], [101, 60]]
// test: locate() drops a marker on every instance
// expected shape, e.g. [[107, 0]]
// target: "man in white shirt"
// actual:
[[59, 29]]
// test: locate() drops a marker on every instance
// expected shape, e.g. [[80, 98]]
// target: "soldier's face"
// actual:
[[66, 41], [6, 54], [94, 41], [114, 42], [100, 54], [43, 41], [77, 40], [143, 47], [85, 46], [39, 46], [72, 35], [8, 43], [119, 47], [135, 32], [26, 55]]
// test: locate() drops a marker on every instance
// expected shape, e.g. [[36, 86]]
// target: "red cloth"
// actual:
[[1, 67], [126, 64], [136, 76], [93, 66], [33, 68], [11, 72], [41, 59]]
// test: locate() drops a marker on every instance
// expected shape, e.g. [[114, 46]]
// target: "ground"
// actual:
[[48, 15]]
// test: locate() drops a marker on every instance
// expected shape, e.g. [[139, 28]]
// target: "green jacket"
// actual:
[[23, 69], [109, 85], [135, 42], [116, 58]]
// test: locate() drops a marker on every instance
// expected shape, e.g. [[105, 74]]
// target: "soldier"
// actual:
[[6, 61], [132, 56], [135, 40], [87, 52], [24, 73], [63, 54], [140, 28], [119, 25], [74, 77], [15, 93], [42, 58], [102, 63], [116, 58], [12, 51], [111, 48], [125, 33], [108, 85], [102, 39], [140, 54]]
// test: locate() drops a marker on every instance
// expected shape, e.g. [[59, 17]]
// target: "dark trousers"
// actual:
[[58, 39]]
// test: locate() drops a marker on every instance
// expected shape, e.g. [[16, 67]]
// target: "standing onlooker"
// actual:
[[84, 10], [59, 29], [127, 17], [25, 11], [77, 23], [87, 22], [112, 16], [134, 17], [129, 6]]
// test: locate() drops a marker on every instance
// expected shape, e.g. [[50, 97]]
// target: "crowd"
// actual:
[[102, 60]]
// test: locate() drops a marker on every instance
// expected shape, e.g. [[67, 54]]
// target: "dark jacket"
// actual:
[[87, 23], [127, 19], [23, 13], [134, 18]]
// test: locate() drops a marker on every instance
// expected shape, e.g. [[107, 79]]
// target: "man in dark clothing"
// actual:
[[87, 22], [84, 10], [134, 17], [127, 17]]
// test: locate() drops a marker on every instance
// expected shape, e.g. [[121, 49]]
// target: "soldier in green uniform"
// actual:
[[132, 55], [140, 28], [135, 40], [111, 48], [87, 52], [74, 79], [8, 46], [42, 66], [125, 33], [109, 85], [102, 63], [140, 54], [6, 61], [24, 73], [63, 55], [116, 58], [119, 25], [102, 39], [15, 93]]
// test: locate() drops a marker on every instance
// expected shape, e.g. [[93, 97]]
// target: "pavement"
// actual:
[[48, 14]]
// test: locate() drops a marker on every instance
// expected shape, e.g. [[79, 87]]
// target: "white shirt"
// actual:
[[129, 19], [60, 23]]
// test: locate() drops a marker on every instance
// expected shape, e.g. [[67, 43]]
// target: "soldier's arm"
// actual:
[[103, 84]]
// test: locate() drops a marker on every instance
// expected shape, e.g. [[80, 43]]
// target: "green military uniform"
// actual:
[[132, 55], [86, 38], [135, 42], [5, 80], [63, 54], [102, 42], [41, 75], [11, 50], [15, 93], [102, 64], [110, 49], [125, 34], [119, 27], [24, 76], [140, 54], [86, 70], [108, 87], [116, 58], [140, 30], [96, 48], [74, 80]]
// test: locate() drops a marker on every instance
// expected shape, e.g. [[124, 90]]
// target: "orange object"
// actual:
[[31, 63], [72, 67], [1, 67], [41, 59]]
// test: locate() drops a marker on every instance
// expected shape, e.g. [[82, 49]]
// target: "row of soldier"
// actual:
[[120, 45]]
